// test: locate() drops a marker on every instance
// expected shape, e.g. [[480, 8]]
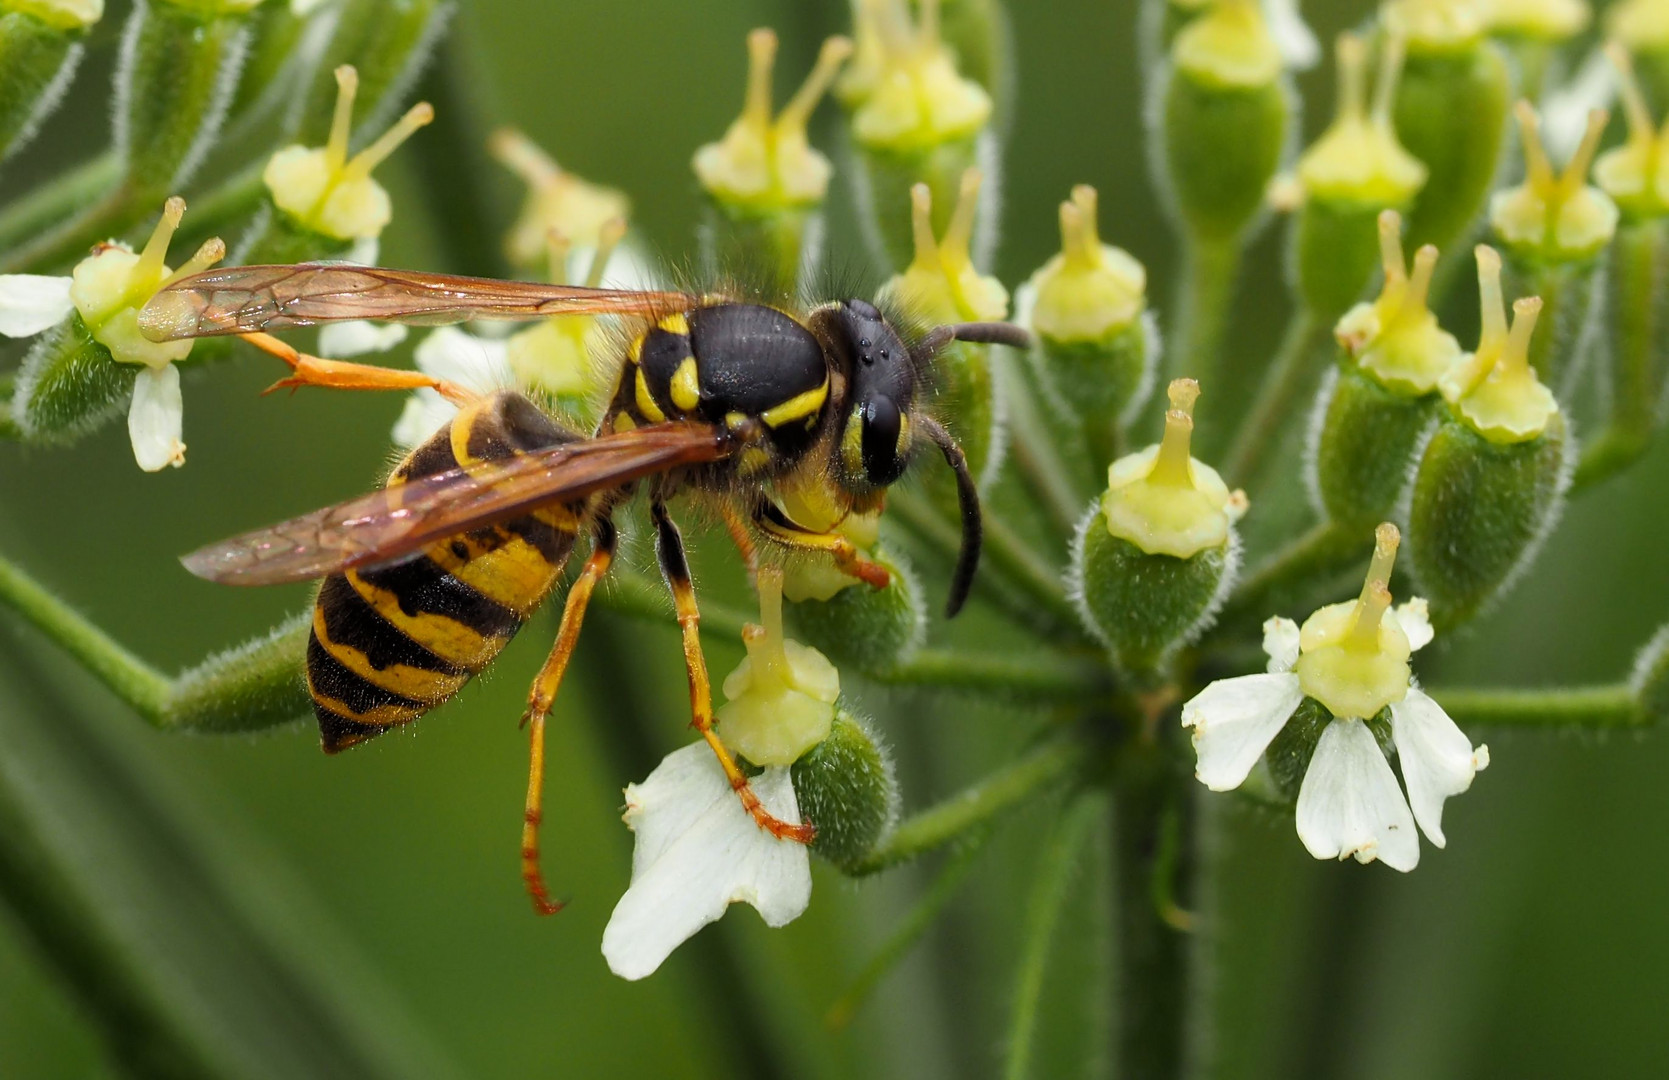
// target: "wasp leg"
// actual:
[[308, 370], [539, 700], [670, 547], [775, 524], [738, 530]]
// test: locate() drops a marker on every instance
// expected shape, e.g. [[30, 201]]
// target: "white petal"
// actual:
[[1349, 803], [364, 251], [1415, 620], [426, 412], [31, 303], [1565, 108], [357, 337], [478, 363], [1280, 641], [1295, 40], [1437, 758], [155, 418], [1234, 721], [697, 853]]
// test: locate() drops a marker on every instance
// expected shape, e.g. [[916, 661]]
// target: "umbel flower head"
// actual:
[[1090, 289], [1396, 337], [765, 163], [1633, 174], [106, 291], [903, 83], [1494, 390], [1358, 159], [1351, 659], [326, 191], [1554, 217], [556, 200], [941, 283]]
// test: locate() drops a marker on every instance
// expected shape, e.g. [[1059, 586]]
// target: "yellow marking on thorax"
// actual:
[[646, 401], [686, 385], [634, 351], [442, 635], [675, 324], [419, 684], [797, 407]]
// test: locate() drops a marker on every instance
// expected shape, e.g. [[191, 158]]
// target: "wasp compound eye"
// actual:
[[882, 424]]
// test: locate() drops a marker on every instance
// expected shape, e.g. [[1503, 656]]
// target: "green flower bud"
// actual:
[[977, 33], [1451, 113], [1353, 172], [942, 285], [1491, 481], [1383, 397], [387, 42], [1225, 120], [915, 119], [1096, 341], [1633, 174], [1152, 562], [846, 787], [68, 386], [40, 46], [178, 70], [1642, 28], [1650, 680], [764, 183]]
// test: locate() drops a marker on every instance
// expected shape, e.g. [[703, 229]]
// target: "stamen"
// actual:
[[522, 156], [557, 247], [1492, 302], [211, 252], [341, 121], [1390, 70], [1419, 282], [1390, 258], [959, 233], [1576, 172], [762, 56], [829, 59], [921, 224], [1536, 166], [1353, 70], [1640, 127], [764, 641], [1376, 589], [1516, 356], [369, 158], [149, 267], [1080, 242], [1173, 465], [608, 238]]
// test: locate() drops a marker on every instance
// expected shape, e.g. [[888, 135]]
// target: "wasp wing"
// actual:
[[395, 522], [246, 299]]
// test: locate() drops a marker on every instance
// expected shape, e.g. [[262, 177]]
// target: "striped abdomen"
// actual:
[[390, 644]]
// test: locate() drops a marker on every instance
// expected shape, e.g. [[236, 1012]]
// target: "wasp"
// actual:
[[427, 579]]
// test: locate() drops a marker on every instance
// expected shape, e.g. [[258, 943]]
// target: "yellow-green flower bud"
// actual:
[[1382, 399], [1353, 657], [1153, 560], [557, 201], [764, 182], [1096, 345], [561, 358], [1547, 21], [1633, 174], [1554, 217], [40, 46], [1450, 113], [780, 701], [941, 284], [1225, 119], [1642, 27], [1355, 170], [846, 786], [1491, 480]]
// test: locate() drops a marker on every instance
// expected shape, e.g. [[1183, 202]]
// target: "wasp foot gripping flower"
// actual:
[[942, 285], [1555, 229], [859, 625], [1491, 481], [557, 200], [1382, 398], [324, 202], [915, 119], [1096, 340], [71, 380], [1329, 685], [40, 47], [1451, 113], [1353, 172], [1224, 121], [763, 180], [1153, 561]]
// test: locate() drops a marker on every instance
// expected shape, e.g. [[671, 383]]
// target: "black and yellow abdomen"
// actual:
[[390, 644]]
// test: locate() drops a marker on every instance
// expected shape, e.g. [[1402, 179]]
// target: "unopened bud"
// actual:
[[845, 785]]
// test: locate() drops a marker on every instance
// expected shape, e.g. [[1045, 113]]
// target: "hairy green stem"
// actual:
[[1615, 706], [1323, 549], [1035, 676], [1289, 372], [1051, 881], [1049, 483], [1205, 297], [956, 816]]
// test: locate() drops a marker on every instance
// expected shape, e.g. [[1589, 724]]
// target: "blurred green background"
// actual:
[[1536, 945]]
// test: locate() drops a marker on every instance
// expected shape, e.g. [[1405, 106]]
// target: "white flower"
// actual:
[[698, 851], [156, 418], [461, 358], [356, 337], [1353, 659], [32, 303], [1296, 41]]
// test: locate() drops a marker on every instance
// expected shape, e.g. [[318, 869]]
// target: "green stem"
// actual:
[[1614, 449], [1033, 676], [1050, 883], [1615, 706], [634, 594], [252, 687], [48, 203], [1049, 482], [1205, 297], [1288, 374], [111, 215], [1325, 548], [909, 931], [956, 816]]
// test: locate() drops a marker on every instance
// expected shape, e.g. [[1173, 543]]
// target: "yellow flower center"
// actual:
[[1640, 25], [1495, 390], [1090, 289], [1353, 657], [941, 283], [1537, 20], [1556, 215], [1435, 25], [1396, 338], [781, 698], [905, 87], [1229, 46], [556, 199], [1358, 158], [59, 14], [1633, 174]]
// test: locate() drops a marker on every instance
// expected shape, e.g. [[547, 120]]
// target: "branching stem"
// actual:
[[1615, 706]]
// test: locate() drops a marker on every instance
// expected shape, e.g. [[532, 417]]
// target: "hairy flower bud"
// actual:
[[846, 787], [40, 46], [1153, 561]]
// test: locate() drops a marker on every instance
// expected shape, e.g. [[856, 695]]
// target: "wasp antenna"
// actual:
[[992, 333], [973, 527]]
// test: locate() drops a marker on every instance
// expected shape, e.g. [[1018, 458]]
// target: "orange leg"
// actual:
[[846, 558], [310, 370], [738, 530], [670, 546], [539, 700]]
